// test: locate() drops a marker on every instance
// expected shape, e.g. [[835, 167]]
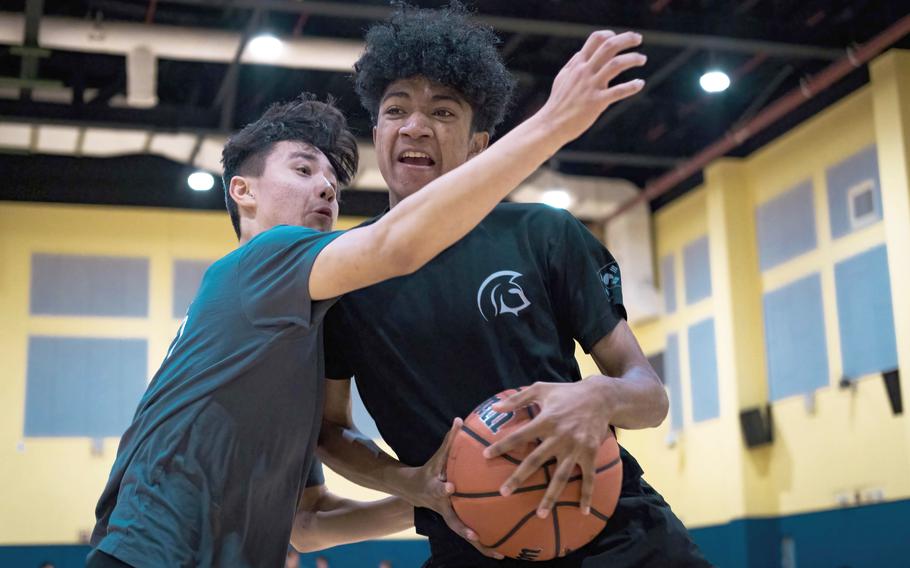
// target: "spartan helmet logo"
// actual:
[[500, 294]]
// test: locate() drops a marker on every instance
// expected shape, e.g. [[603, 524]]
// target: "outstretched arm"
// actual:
[[437, 216], [324, 519]]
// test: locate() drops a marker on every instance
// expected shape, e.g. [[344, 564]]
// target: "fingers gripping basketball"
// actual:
[[510, 524]]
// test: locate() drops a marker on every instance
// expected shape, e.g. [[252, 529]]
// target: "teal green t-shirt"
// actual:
[[210, 470]]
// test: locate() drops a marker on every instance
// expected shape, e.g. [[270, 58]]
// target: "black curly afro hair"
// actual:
[[303, 119], [444, 46]]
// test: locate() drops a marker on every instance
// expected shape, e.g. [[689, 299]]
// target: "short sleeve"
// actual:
[[274, 274], [337, 361], [585, 282], [315, 476]]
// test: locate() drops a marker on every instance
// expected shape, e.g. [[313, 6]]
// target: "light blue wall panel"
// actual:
[[673, 380], [668, 282], [187, 276], [697, 268], [868, 344], [786, 226], [857, 169], [795, 338], [71, 285], [79, 386], [703, 371], [362, 419]]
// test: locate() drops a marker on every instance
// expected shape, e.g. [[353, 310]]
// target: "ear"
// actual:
[[479, 143], [374, 136], [241, 191]]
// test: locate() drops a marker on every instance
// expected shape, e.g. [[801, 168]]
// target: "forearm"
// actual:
[[351, 521], [449, 207], [360, 460], [633, 401]]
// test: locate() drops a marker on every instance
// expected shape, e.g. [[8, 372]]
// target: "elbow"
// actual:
[[661, 403]]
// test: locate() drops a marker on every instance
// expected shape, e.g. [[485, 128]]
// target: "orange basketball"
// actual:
[[510, 525]]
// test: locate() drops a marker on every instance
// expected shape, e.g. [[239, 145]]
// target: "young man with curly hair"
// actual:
[[211, 469], [500, 309]]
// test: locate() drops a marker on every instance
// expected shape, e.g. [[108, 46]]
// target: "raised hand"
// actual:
[[584, 87]]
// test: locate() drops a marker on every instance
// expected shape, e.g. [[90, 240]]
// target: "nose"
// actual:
[[328, 190], [416, 126]]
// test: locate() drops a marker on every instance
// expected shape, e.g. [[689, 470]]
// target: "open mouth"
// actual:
[[324, 211], [414, 158]]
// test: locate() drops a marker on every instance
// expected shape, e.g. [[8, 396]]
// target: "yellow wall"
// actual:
[[851, 441], [49, 486]]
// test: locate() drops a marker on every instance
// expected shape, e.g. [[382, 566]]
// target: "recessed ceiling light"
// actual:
[[714, 81], [265, 46], [200, 181]]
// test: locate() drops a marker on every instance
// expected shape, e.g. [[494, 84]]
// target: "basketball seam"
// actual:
[[539, 487], [487, 444]]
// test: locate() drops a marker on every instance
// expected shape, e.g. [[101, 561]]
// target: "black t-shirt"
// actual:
[[210, 471], [499, 309]]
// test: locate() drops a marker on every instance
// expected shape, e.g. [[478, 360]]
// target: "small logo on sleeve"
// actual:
[[610, 278], [501, 294]]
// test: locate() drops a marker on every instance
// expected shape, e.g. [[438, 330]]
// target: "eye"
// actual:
[[305, 170], [394, 111], [444, 113]]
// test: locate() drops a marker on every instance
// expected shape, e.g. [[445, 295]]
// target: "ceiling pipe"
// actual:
[[781, 107], [173, 42]]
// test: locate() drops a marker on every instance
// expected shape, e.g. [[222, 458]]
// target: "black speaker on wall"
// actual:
[[756, 426], [893, 388]]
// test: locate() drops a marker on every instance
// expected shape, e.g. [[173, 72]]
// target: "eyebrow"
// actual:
[[305, 155], [436, 98]]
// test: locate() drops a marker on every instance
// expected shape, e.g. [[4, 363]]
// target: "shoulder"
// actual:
[[537, 213]]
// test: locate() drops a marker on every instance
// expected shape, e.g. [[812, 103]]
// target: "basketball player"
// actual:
[[209, 472], [499, 309]]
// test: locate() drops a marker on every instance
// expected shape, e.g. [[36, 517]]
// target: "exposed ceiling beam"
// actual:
[[539, 27], [30, 55], [618, 159]]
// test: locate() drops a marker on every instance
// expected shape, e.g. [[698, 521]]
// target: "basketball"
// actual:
[[510, 525]]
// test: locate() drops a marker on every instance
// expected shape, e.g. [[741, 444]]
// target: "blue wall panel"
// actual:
[[786, 226], [673, 380], [795, 338], [78, 386], [71, 285], [668, 282], [703, 371], [868, 344], [697, 268], [187, 277], [856, 169]]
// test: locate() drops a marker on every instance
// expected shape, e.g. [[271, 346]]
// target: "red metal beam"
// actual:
[[774, 112]]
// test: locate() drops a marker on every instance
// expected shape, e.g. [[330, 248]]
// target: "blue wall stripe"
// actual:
[[668, 282], [697, 269], [856, 169], [865, 315], [703, 371], [785, 226], [797, 354], [402, 554], [673, 381], [80, 386], [869, 536], [71, 285]]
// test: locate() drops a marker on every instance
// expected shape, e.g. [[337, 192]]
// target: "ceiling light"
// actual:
[[200, 181], [714, 81], [558, 198], [266, 46]]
